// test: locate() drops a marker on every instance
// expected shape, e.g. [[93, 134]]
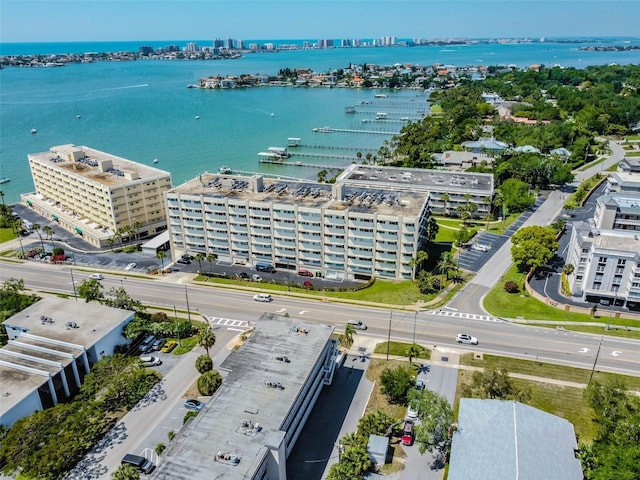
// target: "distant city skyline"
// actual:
[[153, 20]]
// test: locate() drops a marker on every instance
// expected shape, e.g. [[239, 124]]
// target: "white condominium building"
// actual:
[[607, 266], [370, 222], [96, 195]]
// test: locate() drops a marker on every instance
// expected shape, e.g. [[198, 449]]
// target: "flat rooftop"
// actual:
[[378, 198], [50, 343], [419, 179], [244, 401], [617, 240], [100, 167]]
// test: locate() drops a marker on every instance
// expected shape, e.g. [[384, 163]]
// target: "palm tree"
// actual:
[[2, 197], [413, 351], [110, 242], [48, 231], [446, 263], [211, 257], [445, 197], [346, 339], [206, 338], [161, 254], [37, 227], [198, 258], [136, 226], [417, 261]]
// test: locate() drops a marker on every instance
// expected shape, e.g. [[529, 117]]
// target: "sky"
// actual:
[[112, 20]]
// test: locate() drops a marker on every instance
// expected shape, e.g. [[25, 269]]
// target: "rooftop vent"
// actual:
[[70, 325], [44, 319], [227, 457], [283, 359]]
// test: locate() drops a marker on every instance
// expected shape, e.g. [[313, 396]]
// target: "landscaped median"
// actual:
[[521, 305]]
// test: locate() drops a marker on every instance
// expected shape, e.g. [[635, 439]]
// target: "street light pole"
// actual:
[[73, 283], [613, 304], [415, 319]]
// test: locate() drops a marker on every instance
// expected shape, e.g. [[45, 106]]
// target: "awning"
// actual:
[[78, 231], [29, 203], [55, 217]]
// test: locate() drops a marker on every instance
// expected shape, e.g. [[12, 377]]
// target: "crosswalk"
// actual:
[[468, 316], [228, 322]]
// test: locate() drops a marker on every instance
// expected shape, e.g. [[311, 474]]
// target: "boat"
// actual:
[[197, 117], [273, 114], [33, 130], [380, 95], [5, 179], [224, 170], [155, 160]]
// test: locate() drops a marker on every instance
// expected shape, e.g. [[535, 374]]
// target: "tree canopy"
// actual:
[[533, 247]]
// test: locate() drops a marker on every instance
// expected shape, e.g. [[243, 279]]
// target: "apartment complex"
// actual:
[[605, 252], [251, 425], [52, 346], [370, 222], [96, 195]]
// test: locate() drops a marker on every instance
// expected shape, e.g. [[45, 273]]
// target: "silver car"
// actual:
[[466, 338]]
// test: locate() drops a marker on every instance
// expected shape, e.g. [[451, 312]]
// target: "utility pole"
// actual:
[[73, 283], [415, 319], [389, 334], [595, 361], [175, 314], [187, 297]]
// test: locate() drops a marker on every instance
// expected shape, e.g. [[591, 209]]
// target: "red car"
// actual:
[[407, 434], [305, 273], [308, 284]]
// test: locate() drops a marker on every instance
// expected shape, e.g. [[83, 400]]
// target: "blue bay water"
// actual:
[[142, 110]]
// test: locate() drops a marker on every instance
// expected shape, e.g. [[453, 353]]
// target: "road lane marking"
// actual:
[[615, 353], [583, 350]]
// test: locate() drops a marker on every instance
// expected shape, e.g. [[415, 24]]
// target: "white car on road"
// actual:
[[96, 276], [130, 266], [263, 297], [466, 338]]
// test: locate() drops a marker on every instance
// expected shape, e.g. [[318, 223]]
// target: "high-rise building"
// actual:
[[97, 195]]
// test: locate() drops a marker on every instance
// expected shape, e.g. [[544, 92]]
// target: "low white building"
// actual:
[[52, 346]]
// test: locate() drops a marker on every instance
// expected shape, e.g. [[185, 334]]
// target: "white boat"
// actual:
[[380, 95], [197, 117], [155, 160], [224, 170], [5, 179], [33, 130]]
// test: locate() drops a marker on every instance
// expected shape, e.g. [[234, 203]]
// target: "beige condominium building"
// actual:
[[370, 223], [95, 195]]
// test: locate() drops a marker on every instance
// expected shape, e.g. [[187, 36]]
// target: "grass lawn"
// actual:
[[6, 234], [635, 153], [378, 400], [632, 137], [186, 345], [546, 370], [565, 402], [521, 305], [400, 349]]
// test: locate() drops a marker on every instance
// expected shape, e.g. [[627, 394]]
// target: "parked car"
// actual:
[[466, 338], [256, 277], [479, 247], [412, 410], [169, 346], [408, 435], [184, 261], [142, 464], [145, 346], [244, 276], [193, 404], [130, 266], [308, 284], [305, 273], [263, 297], [150, 361], [158, 344], [96, 276], [186, 256]]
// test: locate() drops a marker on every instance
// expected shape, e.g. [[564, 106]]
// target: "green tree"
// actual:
[[346, 339], [414, 351], [198, 258], [446, 263], [533, 247], [209, 382], [445, 197], [36, 227], [125, 472], [48, 231], [494, 383], [516, 195], [206, 338], [204, 363], [434, 431], [417, 262], [374, 423], [90, 290], [211, 257], [432, 229], [396, 382], [161, 255], [117, 297]]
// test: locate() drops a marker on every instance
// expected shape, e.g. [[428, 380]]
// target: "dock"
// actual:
[[350, 130]]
